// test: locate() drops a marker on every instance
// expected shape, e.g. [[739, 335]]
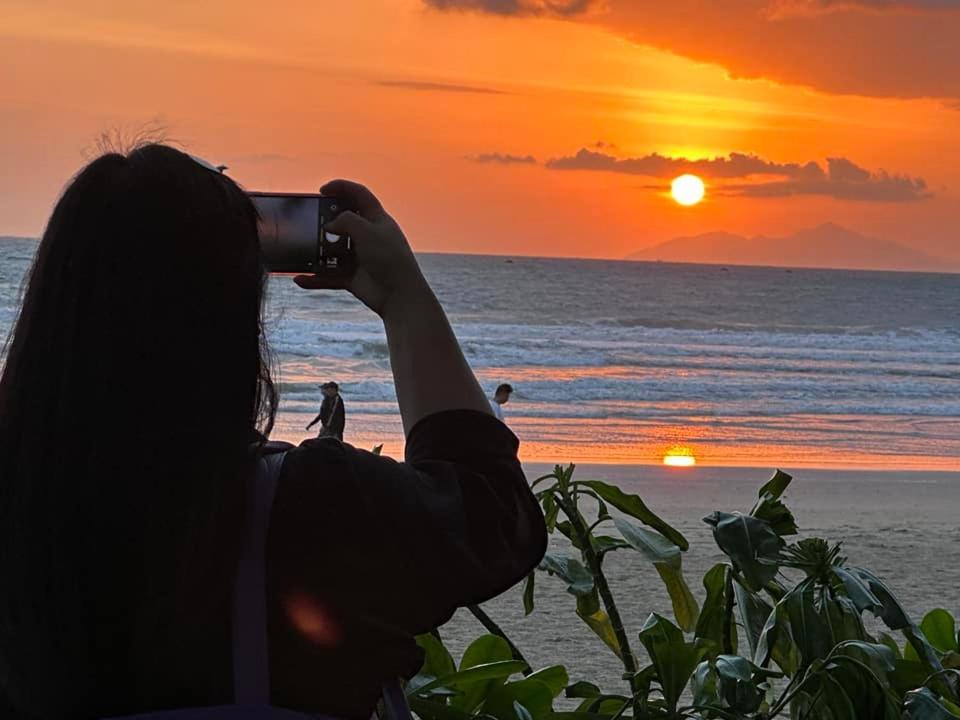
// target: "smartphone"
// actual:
[[293, 238]]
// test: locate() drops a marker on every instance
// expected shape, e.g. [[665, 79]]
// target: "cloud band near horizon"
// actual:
[[841, 179]]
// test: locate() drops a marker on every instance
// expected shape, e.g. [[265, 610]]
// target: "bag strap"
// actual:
[[251, 659]]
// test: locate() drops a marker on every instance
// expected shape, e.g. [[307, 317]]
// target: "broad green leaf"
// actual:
[[578, 578], [482, 651], [534, 696], [485, 649], [479, 673], [939, 627], [895, 617], [550, 511], [923, 704], [750, 542], [685, 608], [633, 506], [754, 612], [777, 515], [554, 677], [739, 683], [920, 650], [776, 485], [430, 710], [667, 559], [703, 684], [603, 544], [528, 587], [881, 659], [770, 508], [716, 625], [887, 640], [776, 641], [858, 591], [654, 546], [907, 675], [599, 622], [819, 621], [574, 716], [437, 660], [588, 604], [582, 689], [673, 658], [891, 612]]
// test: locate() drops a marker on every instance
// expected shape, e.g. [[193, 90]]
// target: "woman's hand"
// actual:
[[387, 273]]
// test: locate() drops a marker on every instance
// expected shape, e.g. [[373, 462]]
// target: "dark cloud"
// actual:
[[563, 8], [420, 85], [842, 178], [735, 165], [789, 8], [503, 159], [877, 48]]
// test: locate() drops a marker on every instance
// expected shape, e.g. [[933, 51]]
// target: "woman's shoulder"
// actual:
[[331, 460]]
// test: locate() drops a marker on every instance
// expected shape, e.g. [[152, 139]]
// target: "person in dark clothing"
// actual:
[[119, 542], [332, 416]]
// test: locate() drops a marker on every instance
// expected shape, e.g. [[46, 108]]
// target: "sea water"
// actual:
[[621, 362], [614, 361]]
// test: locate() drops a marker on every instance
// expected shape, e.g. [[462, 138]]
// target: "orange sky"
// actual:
[[409, 95]]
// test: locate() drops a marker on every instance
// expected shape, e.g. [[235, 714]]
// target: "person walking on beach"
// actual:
[[501, 397], [332, 416]]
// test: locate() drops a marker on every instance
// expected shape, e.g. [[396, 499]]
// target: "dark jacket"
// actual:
[[365, 552], [332, 415]]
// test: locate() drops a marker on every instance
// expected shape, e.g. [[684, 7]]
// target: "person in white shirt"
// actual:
[[500, 398]]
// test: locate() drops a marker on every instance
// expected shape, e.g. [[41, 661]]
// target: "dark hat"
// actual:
[[330, 386]]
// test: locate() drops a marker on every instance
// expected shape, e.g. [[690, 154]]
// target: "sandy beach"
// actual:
[[901, 525]]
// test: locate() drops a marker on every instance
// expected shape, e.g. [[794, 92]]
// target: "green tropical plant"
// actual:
[[781, 631]]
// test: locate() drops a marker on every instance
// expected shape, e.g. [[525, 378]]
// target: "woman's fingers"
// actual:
[[347, 223], [322, 282], [356, 197]]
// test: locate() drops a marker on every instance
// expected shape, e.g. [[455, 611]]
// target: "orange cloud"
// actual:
[[880, 48]]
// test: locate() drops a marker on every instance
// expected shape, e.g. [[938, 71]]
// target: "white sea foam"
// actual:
[[647, 343]]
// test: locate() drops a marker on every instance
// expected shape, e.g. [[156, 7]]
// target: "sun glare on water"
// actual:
[[679, 457], [687, 189]]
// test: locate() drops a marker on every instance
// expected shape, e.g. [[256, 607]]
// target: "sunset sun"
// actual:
[[679, 456], [687, 189]]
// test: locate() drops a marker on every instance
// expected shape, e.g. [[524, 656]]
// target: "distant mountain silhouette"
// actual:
[[824, 246]]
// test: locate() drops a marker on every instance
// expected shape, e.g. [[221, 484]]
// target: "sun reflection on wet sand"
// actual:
[[679, 456]]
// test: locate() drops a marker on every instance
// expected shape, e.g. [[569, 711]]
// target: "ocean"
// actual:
[[849, 380], [620, 362]]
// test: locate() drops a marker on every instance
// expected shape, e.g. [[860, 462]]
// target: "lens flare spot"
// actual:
[[312, 619], [679, 456]]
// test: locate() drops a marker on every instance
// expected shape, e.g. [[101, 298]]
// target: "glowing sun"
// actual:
[[687, 189], [679, 457]]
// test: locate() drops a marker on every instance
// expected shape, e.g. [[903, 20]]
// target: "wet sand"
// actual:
[[904, 526]]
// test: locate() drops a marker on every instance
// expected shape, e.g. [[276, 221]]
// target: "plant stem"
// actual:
[[495, 629], [579, 526]]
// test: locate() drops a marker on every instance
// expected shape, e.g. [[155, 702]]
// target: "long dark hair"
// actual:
[[135, 381]]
